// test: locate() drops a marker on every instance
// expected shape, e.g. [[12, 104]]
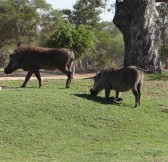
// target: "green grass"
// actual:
[[55, 124]]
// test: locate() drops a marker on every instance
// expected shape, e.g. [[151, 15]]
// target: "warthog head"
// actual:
[[97, 87], [13, 63]]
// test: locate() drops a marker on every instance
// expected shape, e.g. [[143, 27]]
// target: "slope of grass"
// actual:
[[68, 125]]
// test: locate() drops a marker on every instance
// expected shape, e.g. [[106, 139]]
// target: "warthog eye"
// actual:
[[98, 76], [11, 56]]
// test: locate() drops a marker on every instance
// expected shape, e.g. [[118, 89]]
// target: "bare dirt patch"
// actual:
[[20, 75]]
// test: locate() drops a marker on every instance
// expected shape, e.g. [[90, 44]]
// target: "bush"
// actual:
[[79, 39]]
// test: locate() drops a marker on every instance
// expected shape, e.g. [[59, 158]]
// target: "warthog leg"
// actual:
[[107, 93], [69, 75], [136, 94], [71, 67], [37, 74], [139, 91], [117, 98], [118, 94], [29, 74]]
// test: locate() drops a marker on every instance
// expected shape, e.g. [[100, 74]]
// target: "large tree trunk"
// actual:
[[137, 20]]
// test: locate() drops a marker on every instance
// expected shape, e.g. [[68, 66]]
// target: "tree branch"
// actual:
[[161, 1]]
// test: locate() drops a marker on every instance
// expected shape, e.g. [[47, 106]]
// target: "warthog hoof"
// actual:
[[136, 105], [116, 99], [112, 98], [119, 99], [23, 86]]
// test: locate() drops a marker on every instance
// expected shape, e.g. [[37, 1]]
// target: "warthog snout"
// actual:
[[93, 92], [7, 71]]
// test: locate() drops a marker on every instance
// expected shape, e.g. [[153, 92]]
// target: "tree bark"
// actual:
[[161, 0], [166, 53], [137, 20]]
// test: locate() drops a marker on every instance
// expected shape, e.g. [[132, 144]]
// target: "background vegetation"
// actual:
[[36, 22], [97, 43], [163, 19]]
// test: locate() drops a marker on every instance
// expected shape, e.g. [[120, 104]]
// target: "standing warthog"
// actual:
[[120, 80], [32, 59]]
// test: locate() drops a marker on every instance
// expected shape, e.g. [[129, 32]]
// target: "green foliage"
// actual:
[[19, 19], [79, 39], [56, 124], [163, 13], [35, 22], [163, 51], [25, 21], [118, 49], [163, 20], [49, 22], [85, 12], [6, 21], [109, 47]]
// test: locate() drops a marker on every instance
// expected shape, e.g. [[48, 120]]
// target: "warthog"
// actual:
[[120, 80], [32, 59]]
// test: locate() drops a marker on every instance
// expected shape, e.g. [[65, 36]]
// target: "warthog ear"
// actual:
[[97, 72], [11, 52]]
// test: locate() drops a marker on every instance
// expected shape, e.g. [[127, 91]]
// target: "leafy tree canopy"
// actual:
[[79, 39], [85, 12], [19, 19], [109, 47]]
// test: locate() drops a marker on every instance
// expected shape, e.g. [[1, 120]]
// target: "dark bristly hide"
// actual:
[[32, 59], [120, 80]]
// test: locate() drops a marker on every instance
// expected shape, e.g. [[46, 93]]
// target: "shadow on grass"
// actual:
[[151, 77], [7, 87], [98, 99], [10, 87], [91, 78], [165, 111]]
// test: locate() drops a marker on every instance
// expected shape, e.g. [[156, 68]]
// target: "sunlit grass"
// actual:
[[52, 123]]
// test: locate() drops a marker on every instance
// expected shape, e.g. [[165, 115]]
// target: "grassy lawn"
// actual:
[[68, 125]]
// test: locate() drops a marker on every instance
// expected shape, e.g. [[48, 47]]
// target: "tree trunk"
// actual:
[[166, 66], [137, 20], [2, 59], [166, 53]]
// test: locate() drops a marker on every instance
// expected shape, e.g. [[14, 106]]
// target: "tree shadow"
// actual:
[[98, 99]]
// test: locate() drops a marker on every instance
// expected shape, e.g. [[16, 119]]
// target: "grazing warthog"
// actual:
[[32, 59], [120, 80]]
